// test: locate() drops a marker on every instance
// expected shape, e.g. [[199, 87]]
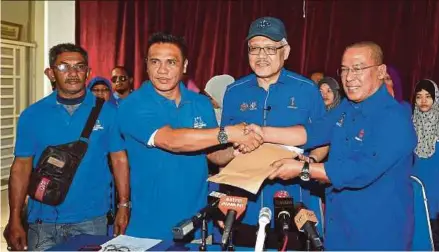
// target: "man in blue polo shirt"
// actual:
[[273, 96], [168, 131], [58, 119], [369, 204]]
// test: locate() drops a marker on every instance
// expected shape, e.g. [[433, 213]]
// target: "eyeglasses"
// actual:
[[269, 50], [67, 68], [121, 78], [344, 71], [112, 247], [100, 90]]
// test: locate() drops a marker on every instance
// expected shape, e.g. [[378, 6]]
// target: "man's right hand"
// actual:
[[15, 236], [246, 140]]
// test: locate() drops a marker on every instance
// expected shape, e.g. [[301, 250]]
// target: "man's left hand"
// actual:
[[121, 221], [286, 168]]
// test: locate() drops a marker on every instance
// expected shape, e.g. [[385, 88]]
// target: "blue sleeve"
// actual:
[[25, 144], [319, 131], [318, 110], [211, 121], [393, 138], [115, 137], [227, 115], [139, 121]]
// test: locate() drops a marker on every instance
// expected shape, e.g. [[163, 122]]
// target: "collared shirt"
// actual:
[[117, 98], [292, 100], [48, 123], [165, 187], [370, 203]]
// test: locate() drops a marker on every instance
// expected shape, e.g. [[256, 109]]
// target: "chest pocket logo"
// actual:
[[199, 123], [98, 126], [292, 103], [341, 120], [360, 136]]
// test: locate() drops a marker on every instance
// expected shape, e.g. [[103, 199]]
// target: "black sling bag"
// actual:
[[50, 181]]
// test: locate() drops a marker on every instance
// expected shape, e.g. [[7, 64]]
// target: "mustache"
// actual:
[[68, 80], [262, 61]]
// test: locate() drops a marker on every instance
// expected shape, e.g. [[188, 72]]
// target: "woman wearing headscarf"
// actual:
[[426, 166], [393, 83], [331, 93], [101, 88], [394, 86], [215, 89]]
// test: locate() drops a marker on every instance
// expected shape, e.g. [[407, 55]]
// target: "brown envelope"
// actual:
[[248, 171]]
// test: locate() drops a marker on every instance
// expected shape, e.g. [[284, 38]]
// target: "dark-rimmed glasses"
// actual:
[[269, 50], [67, 68], [357, 70], [121, 78]]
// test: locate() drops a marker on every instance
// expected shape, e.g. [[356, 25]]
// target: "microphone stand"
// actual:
[[204, 232], [230, 246], [308, 245]]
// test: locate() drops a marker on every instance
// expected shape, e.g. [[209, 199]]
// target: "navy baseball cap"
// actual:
[[269, 27]]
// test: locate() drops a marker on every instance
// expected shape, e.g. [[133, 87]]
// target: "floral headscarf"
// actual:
[[427, 123]]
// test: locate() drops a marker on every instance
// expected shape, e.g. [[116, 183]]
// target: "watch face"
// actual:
[[222, 137], [304, 176]]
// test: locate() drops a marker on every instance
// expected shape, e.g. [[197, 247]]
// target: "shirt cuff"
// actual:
[[150, 142]]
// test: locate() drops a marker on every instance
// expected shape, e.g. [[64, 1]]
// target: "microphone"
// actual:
[[232, 207], [264, 219], [283, 210], [188, 225], [306, 221]]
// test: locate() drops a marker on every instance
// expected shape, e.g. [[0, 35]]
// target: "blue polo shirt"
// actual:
[[165, 187], [369, 205], [292, 100], [48, 123]]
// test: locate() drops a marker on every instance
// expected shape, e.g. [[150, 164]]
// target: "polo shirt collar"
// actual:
[[281, 80], [88, 100], [376, 101], [184, 92]]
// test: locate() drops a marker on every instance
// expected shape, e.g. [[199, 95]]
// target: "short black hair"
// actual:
[[66, 47], [123, 68], [161, 37]]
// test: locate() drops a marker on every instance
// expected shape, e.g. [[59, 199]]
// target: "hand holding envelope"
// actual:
[[249, 170]]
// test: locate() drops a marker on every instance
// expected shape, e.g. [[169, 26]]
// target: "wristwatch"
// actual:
[[304, 174], [222, 136], [125, 204]]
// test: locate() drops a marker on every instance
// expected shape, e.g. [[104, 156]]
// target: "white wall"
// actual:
[[45, 23], [17, 12], [53, 22], [59, 27]]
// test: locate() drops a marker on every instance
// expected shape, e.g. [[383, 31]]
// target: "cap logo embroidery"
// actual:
[[263, 24]]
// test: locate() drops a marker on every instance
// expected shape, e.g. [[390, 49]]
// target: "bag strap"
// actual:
[[92, 118]]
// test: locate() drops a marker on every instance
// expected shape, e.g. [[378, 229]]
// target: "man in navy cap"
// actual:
[[273, 96]]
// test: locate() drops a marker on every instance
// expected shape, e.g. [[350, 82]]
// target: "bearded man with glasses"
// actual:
[[59, 119]]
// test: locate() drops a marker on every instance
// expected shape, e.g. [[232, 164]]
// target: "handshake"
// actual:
[[245, 138]]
